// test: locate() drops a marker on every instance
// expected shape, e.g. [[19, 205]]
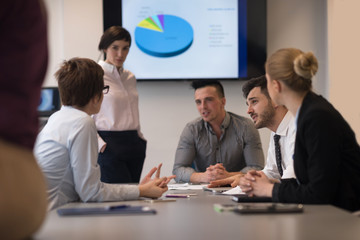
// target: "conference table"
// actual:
[[195, 218]]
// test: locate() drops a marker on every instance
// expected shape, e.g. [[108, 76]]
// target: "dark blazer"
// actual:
[[326, 159]]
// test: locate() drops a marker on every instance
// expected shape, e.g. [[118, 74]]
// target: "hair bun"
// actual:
[[306, 65]]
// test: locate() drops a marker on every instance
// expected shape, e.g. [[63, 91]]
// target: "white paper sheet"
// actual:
[[233, 191], [186, 186]]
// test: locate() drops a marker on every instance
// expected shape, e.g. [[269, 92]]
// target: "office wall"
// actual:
[[344, 52], [74, 29], [55, 12], [165, 107]]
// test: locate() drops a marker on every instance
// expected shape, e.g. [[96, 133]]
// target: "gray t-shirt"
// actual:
[[239, 147]]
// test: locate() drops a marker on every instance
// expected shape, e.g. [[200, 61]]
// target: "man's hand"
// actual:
[[232, 180], [216, 172], [212, 173]]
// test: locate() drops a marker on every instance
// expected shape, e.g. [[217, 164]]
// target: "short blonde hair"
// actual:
[[293, 67]]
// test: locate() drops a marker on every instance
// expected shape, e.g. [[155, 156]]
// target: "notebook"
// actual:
[[120, 209]]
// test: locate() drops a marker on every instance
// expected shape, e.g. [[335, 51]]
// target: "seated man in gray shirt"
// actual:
[[218, 144]]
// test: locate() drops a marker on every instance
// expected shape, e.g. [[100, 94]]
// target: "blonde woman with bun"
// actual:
[[327, 156]]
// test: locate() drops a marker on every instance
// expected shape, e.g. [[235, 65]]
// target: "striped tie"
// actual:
[[278, 154]]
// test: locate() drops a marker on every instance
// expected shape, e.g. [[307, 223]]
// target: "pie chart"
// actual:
[[164, 35]]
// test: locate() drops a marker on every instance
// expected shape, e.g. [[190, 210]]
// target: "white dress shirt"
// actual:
[[287, 132], [66, 151], [120, 107]]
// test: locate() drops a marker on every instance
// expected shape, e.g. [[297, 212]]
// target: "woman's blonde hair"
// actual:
[[293, 67]]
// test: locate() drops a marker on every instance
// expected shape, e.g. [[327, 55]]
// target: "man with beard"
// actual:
[[265, 113]]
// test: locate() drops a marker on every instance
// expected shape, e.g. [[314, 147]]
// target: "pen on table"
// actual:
[[177, 195], [117, 207], [184, 195], [159, 200]]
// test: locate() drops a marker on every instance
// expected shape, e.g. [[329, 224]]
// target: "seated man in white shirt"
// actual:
[[265, 113], [67, 149]]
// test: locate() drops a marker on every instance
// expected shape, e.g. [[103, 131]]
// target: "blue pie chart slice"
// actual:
[[173, 37]]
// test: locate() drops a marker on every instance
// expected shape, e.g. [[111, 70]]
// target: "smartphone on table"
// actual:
[[245, 208]]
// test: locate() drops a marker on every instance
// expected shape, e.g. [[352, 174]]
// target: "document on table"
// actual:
[[233, 191], [186, 186]]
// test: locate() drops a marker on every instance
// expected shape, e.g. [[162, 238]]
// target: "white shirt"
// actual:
[[66, 151], [120, 107], [287, 132]]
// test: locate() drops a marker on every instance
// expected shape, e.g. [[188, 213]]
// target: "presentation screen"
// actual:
[[192, 39]]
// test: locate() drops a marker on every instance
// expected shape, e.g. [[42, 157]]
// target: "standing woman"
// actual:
[[327, 156], [118, 122]]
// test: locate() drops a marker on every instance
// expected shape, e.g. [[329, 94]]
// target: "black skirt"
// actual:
[[123, 158]]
